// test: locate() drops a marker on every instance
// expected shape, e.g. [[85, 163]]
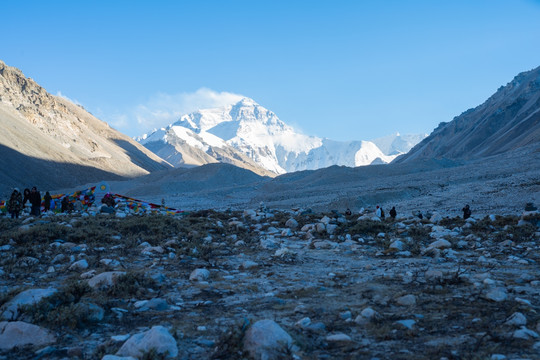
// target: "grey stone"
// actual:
[[27, 297], [266, 340], [18, 333], [157, 338]]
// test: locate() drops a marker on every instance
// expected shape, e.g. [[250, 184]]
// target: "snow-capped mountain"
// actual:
[[248, 135], [397, 144]]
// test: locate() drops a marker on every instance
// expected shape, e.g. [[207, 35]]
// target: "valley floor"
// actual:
[[342, 287]]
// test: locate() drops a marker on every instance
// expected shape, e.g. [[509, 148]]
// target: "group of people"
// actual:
[[17, 202], [379, 212]]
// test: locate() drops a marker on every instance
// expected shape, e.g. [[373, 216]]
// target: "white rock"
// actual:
[[303, 323], [435, 218], [325, 220], [338, 338], [407, 300], [368, 313], [440, 244], [199, 275], [406, 323], [18, 334], [331, 228], [287, 233], [516, 319], [248, 264], [497, 294], [525, 334], [397, 245], [157, 338], [105, 279], [320, 227], [266, 340], [291, 223], [28, 297], [79, 265]]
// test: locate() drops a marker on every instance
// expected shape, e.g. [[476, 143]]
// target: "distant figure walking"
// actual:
[[47, 201], [466, 212], [35, 200], [15, 204], [393, 213], [378, 212]]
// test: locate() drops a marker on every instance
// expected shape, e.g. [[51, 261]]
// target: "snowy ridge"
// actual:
[[259, 135]]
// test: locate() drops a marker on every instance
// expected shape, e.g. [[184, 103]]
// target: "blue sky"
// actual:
[[346, 70]]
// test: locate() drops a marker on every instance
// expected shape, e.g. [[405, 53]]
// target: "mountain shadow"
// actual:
[[139, 158], [24, 171]]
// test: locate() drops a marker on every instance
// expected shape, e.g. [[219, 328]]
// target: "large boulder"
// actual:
[[19, 333], [267, 340], [28, 297], [157, 338]]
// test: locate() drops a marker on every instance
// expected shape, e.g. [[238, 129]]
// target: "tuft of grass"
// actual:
[[368, 227], [62, 309], [131, 284]]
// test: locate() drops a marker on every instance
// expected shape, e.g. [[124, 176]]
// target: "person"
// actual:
[[378, 212], [15, 204], [64, 204], [466, 212], [26, 194], [47, 201], [78, 206], [108, 200], [35, 201], [393, 213]]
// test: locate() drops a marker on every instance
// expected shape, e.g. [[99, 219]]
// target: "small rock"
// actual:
[[496, 294], [105, 279], [291, 223], [407, 300], [79, 265], [525, 334], [338, 338], [516, 319], [199, 275], [406, 323]]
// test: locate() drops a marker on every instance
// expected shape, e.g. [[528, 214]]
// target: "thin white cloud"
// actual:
[[163, 109], [59, 94]]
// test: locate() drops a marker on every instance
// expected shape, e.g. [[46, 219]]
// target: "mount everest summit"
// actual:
[[246, 134]]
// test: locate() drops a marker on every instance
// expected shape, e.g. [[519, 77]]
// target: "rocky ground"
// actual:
[[269, 284]]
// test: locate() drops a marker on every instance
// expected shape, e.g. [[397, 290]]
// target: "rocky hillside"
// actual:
[[508, 120], [48, 141]]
